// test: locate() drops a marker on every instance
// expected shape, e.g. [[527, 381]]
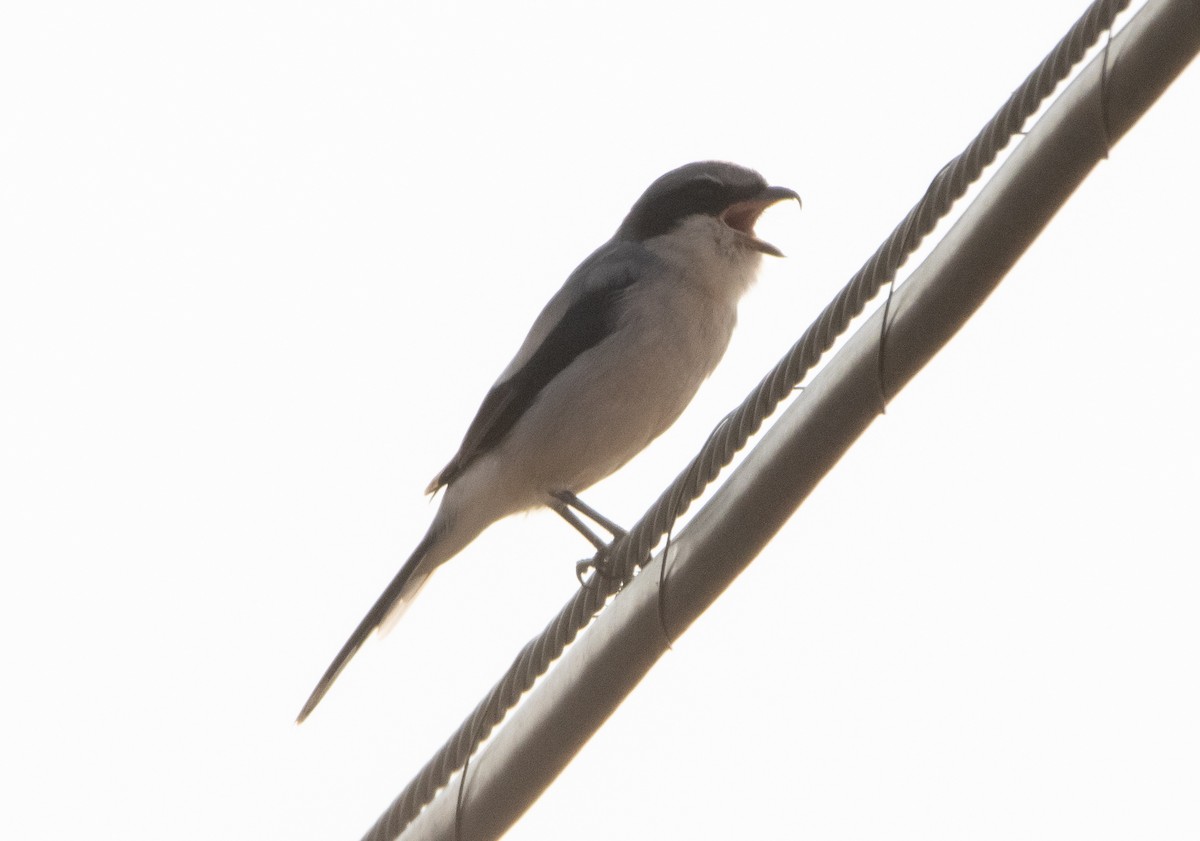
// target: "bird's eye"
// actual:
[[705, 193]]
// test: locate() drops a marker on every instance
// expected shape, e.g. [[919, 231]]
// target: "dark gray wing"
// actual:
[[592, 295]]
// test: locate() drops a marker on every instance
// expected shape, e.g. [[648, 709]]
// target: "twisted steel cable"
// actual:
[[731, 435]]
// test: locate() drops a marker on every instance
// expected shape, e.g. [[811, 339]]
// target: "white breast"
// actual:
[[675, 325], [621, 394]]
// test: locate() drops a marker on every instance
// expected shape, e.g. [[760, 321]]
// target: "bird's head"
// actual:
[[730, 194]]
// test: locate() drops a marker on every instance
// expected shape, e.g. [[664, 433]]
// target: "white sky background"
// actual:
[[259, 264]]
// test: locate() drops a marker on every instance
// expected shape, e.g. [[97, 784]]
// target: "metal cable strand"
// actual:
[[731, 435]]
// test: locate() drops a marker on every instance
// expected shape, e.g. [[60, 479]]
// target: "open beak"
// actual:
[[742, 215]]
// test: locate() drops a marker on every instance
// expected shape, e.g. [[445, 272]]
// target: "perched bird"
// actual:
[[611, 362]]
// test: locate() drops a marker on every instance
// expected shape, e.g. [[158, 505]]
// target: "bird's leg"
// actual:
[[581, 568], [564, 502], [569, 499], [563, 510]]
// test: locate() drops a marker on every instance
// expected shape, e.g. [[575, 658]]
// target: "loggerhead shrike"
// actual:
[[609, 364]]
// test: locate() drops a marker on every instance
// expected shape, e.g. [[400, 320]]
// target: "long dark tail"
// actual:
[[400, 589]]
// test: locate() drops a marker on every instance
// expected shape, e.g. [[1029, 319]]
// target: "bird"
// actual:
[[610, 363]]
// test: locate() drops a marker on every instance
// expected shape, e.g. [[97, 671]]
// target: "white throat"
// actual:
[[709, 254]]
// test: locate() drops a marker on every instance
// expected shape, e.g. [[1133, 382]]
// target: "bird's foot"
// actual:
[[600, 567]]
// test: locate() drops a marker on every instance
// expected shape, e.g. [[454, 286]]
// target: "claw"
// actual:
[[582, 568], [597, 564]]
